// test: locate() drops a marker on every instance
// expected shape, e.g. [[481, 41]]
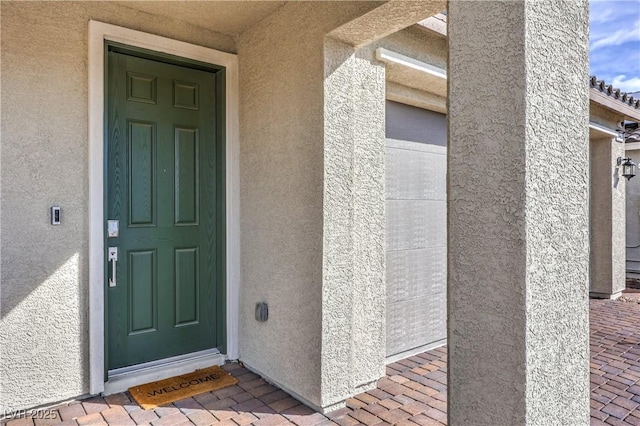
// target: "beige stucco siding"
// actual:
[[607, 205], [44, 275], [312, 198], [607, 213], [282, 177], [284, 224], [281, 201], [353, 263], [518, 229]]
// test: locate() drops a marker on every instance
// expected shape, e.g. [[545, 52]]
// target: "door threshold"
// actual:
[[121, 379]]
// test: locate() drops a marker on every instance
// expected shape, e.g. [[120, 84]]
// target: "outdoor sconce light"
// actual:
[[628, 167]]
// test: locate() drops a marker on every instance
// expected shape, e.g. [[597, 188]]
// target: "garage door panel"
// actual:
[[415, 274], [416, 224], [415, 322], [416, 146], [416, 228], [415, 175]]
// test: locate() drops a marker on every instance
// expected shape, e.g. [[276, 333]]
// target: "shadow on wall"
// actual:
[[49, 293], [44, 272], [44, 338]]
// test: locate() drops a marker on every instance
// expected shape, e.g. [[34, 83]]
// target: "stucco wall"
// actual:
[[607, 218], [518, 213], [618, 231], [286, 98], [282, 165], [354, 290], [44, 281], [607, 207]]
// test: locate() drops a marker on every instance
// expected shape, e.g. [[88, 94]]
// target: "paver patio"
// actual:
[[414, 390]]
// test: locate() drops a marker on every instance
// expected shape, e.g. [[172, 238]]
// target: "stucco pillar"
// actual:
[[353, 285], [607, 219], [518, 201]]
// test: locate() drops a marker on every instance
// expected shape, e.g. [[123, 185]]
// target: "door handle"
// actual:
[[113, 259]]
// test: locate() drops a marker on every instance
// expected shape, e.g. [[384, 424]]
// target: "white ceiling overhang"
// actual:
[[410, 72]]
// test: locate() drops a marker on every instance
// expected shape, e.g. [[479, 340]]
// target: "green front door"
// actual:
[[164, 188]]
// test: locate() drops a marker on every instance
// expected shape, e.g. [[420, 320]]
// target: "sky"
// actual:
[[615, 43]]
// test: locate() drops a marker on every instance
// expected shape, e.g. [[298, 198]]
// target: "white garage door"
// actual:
[[416, 229]]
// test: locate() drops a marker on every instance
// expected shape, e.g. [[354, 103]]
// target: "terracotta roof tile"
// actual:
[[608, 89]]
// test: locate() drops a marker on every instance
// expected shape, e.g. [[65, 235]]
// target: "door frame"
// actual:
[[100, 32]]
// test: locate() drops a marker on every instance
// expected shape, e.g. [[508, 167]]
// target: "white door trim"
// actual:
[[98, 33]]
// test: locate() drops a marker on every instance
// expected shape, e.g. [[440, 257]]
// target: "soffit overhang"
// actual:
[[226, 17]]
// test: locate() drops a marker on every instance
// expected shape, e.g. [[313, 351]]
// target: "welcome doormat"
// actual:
[[154, 394]]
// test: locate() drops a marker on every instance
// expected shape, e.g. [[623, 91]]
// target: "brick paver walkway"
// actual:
[[414, 391], [615, 362]]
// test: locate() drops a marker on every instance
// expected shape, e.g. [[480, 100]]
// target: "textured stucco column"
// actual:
[[608, 219], [353, 285], [518, 213], [312, 204]]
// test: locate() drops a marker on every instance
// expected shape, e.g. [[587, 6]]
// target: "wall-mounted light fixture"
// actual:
[[627, 129], [628, 167]]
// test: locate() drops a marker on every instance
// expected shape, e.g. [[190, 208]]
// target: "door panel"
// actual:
[[143, 292], [416, 237], [186, 301], [142, 142], [186, 167], [162, 187]]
